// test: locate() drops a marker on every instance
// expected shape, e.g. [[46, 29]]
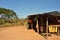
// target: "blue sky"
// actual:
[[23, 8]]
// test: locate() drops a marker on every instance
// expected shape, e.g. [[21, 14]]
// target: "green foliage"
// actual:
[[7, 11], [2, 21], [7, 16]]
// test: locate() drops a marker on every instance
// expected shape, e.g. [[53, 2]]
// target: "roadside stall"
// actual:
[[47, 22]]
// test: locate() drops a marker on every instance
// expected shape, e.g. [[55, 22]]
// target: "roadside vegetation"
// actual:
[[8, 17]]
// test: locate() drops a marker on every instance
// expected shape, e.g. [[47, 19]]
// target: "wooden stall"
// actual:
[[47, 22]]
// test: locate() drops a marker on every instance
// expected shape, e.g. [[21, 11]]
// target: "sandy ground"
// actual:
[[54, 37], [21, 33]]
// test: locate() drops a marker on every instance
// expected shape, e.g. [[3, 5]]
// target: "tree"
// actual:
[[8, 14]]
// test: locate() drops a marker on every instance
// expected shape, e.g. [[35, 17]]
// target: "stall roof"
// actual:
[[54, 13]]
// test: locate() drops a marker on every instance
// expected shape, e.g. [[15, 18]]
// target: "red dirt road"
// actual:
[[18, 33], [21, 33]]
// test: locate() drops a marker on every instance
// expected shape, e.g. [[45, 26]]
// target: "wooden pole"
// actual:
[[58, 30], [47, 28]]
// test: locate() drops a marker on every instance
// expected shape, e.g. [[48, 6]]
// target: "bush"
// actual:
[[2, 21]]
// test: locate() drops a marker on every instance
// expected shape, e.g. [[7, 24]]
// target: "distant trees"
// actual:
[[7, 16]]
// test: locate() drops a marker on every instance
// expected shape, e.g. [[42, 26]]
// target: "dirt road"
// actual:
[[20, 33]]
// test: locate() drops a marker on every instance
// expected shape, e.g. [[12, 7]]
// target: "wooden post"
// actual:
[[47, 28], [58, 30]]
